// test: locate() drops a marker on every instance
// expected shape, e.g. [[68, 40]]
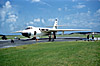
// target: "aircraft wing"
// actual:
[[20, 31], [69, 30]]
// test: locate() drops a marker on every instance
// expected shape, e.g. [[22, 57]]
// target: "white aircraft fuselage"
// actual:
[[38, 31]]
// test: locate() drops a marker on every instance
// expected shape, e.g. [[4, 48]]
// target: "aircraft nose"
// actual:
[[26, 34]]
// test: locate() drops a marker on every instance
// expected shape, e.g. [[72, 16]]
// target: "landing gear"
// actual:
[[53, 36], [54, 33], [34, 38], [4, 37], [49, 37]]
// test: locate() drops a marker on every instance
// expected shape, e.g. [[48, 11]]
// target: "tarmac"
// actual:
[[7, 43]]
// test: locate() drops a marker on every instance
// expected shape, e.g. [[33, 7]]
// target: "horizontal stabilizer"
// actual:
[[57, 26]]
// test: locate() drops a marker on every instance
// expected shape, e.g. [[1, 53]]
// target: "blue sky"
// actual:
[[18, 14]]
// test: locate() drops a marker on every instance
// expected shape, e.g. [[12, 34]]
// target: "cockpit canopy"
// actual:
[[29, 27]]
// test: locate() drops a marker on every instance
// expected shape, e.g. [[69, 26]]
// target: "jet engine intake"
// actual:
[[26, 34]]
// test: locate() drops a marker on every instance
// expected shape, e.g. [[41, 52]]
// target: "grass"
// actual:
[[80, 53]]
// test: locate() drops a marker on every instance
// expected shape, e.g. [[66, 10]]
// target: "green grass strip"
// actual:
[[76, 53]]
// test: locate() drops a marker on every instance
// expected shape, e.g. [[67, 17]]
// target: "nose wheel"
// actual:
[[34, 38]]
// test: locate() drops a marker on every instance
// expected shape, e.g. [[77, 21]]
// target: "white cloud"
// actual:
[[42, 20], [63, 9], [35, 0], [40, 2], [66, 8], [8, 17], [30, 23], [73, 0], [98, 11], [7, 13], [7, 5], [5, 9], [37, 20], [82, 20], [51, 20], [80, 6], [11, 27], [3, 14], [12, 18], [59, 9], [89, 12]]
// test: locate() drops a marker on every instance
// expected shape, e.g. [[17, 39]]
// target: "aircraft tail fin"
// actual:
[[55, 24]]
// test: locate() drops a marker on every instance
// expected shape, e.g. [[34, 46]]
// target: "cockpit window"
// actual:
[[28, 28]]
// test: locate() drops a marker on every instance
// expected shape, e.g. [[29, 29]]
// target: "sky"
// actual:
[[75, 14]]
